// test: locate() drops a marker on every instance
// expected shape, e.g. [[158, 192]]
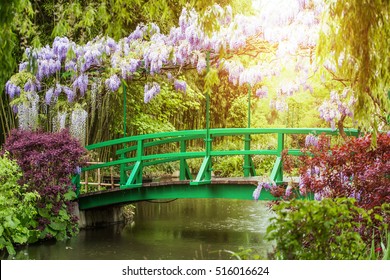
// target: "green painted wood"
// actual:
[[132, 180], [243, 152], [279, 173], [182, 190], [169, 157], [171, 192], [185, 172], [124, 110], [247, 158], [275, 171], [253, 169], [135, 164], [144, 137], [221, 132], [201, 178], [161, 142]]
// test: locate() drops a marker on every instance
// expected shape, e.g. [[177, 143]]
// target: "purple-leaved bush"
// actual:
[[48, 161]]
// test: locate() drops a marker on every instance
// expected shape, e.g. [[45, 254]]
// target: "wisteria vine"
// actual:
[[68, 71]]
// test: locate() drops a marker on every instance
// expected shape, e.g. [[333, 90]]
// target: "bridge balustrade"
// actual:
[[132, 159]]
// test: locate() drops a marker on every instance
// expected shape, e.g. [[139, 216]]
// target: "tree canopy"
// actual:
[[355, 42]]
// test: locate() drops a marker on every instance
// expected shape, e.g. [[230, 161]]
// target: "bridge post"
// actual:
[[279, 173], [185, 172], [249, 169], [208, 140], [122, 173], [135, 178], [204, 175]]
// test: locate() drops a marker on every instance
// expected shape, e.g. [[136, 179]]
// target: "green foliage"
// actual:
[[356, 41], [382, 252], [229, 166], [17, 208], [318, 230], [15, 21]]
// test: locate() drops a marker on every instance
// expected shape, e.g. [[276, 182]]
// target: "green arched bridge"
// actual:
[[134, 153]]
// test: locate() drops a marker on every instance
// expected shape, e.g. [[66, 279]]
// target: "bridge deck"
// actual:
[[236, 188]]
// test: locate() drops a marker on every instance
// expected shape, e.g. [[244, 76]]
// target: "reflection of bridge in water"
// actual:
[[137, 152]]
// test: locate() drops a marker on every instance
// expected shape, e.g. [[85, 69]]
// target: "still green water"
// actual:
[[183, 229]]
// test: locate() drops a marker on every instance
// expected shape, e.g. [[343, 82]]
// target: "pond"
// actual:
[[182, 229]]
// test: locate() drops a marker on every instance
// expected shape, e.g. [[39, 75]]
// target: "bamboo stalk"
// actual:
[[86, 181]]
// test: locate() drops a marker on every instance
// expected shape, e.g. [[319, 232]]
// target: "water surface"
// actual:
[[182, 229]]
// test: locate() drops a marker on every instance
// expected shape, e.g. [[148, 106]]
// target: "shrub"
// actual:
[[319, 230], [17, 208], [354, 169], [48, 161]]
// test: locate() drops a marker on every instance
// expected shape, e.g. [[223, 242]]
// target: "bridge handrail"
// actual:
[[144, 137], [218, 132]]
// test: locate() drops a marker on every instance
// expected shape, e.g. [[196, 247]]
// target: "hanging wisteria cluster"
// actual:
[[67, 69], [78, 124], [337, 107]]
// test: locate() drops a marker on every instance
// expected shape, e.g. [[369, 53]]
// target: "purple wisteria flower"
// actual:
[[23, 66], [151, 91], [257, 192], [138, 33], [128, 67], [71, 65], [318, 196], [12, 90], [302, 187], [57, 90], [69, 93], [81, 83], [49, 95], [262, 185], [111, 46], [251, 76], [61, 47], [180, 85], [153, 29], [92, 54], [202, 64], [262, 92], [234, 68], [32, 86], [288, 191], [113, 83], [311, 140], [156, 55], [15, 109]]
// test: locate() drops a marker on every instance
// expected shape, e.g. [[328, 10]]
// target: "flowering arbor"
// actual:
[[64, 80]]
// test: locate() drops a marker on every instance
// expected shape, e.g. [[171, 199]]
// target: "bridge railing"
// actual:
[[132, 158]]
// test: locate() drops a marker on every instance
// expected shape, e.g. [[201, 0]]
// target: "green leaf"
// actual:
[[70, 195], [43, 212], [11, 249], [11, 222], [212, 78], [58, 226], [20, 238], [33, 236]]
